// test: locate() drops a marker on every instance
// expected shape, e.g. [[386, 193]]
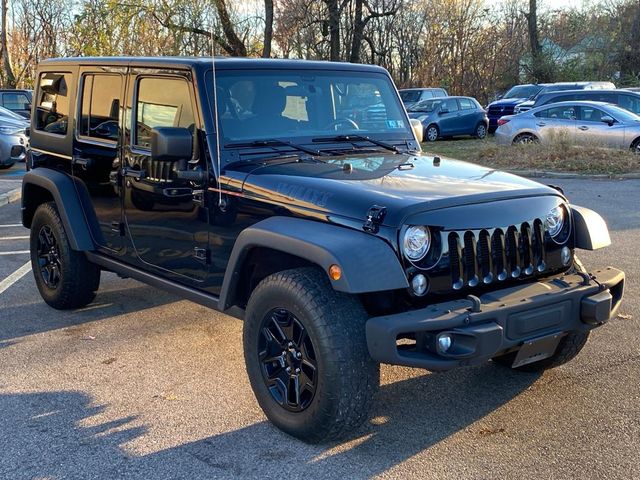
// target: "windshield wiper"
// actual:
[[279, 158], [274, 142], [355, 138]]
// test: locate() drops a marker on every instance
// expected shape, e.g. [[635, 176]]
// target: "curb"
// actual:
[[591, 176], [11, 196]]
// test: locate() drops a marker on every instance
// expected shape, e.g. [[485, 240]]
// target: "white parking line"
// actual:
[[11, 225], [21, 237], [17, 252], [14, 277]]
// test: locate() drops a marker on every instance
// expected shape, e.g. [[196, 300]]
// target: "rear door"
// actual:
[[97, 148], [556, 124], [165, 216], [468, 116]]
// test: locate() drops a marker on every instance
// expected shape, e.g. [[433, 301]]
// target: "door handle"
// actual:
[[135, 174], [541, 124], [82, 162], [583, 128]]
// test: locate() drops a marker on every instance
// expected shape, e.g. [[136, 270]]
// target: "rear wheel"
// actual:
[[525, 139], [481, 131], [306, 356], [64, 277], [431, 133], [569, 346]]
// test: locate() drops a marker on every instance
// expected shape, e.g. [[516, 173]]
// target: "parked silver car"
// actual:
[[14, 141], [595, 123]]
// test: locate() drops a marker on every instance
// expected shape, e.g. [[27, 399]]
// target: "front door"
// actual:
[[449, 117], [165, 215]]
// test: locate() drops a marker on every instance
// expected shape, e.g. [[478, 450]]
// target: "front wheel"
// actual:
[[570, 345], [306, 356], [635, 146], [431, 133], [64, 277]]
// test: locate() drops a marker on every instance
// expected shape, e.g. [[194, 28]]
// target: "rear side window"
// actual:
[[15, 101], [162, 102], [466, 104], [559, 113], [629, 102], [100, 107], [52, 107]]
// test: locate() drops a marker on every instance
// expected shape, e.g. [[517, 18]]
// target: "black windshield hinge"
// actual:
[[375, 216], [202, 255]]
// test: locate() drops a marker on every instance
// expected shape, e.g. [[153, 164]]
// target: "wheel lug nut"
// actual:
[[297, 370], [298, 355], [288, 369], [290, 344]]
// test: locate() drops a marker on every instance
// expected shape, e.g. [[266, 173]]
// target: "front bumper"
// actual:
[[503, 321]]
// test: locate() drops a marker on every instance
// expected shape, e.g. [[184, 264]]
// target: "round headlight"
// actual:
[[416, 242], [554, 221]]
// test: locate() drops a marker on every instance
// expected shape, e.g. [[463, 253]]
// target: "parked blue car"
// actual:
[[450, 116]]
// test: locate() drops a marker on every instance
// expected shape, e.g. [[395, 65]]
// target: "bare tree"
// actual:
[[7, 71]]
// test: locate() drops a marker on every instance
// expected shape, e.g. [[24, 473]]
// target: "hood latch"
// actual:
[[375, 216]]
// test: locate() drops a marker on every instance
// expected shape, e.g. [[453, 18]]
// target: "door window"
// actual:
[[161, 102], [52, 107], [450, 104], [100, 107], [15, 101], [466, 104], [630, 102], [558, 113], [591, 114]]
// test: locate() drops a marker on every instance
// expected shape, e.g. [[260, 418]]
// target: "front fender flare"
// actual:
[[591, 232], [62, 189], [368, 263]]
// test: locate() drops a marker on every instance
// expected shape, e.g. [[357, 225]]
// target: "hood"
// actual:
[[329, 191], [13, 122], [503, 102]]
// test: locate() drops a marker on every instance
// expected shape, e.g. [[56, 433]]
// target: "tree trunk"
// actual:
[[538, 68], [268, 28], [237, 45], [334, 29], [7, 71], [358, 33]]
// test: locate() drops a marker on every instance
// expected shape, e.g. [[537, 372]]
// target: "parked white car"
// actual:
[[593, 123]]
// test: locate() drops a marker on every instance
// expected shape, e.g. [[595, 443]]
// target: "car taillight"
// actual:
[[502, 121]]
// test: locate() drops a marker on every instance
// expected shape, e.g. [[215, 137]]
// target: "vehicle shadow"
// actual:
[[40, 318], [43, 435]]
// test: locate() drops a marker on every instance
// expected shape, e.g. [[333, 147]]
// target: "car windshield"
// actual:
[[5, 112], [299, 105], [410, 95], [522, 91], [625, 116], [426, 106]]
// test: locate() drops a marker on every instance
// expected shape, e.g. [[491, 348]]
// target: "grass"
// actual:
[[558, 156]]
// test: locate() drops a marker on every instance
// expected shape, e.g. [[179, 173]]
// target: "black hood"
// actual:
[[404, 184]]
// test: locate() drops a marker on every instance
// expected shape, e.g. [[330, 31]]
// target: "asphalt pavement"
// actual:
[[143, 385]]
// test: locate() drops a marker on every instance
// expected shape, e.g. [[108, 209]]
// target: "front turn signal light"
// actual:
[[335, 272]]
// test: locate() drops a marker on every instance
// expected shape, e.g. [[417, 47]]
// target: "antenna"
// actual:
[[215, 116]]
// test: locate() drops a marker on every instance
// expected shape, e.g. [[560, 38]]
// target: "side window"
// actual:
[[630, 102], [450, 105], [52, 106], [590, 114], [100, 107], [466, 104], [559, 113], [15, 101], [161, 102]]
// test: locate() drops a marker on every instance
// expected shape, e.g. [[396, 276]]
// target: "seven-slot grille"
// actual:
[[484, 256]]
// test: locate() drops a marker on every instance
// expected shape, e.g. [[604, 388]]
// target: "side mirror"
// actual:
[[171, 144], [416, 126], [608, 120], [443, 111]]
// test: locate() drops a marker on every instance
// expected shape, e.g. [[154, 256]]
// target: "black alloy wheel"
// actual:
[[288, 360], [48, 257]]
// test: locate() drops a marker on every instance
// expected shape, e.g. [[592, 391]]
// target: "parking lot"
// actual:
[[143, 385]]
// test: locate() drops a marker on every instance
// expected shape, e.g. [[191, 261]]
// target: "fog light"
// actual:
[[419, 284], [565, 255], [444, 342]]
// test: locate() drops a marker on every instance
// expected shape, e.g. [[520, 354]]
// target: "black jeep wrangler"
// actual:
[[294, 195]]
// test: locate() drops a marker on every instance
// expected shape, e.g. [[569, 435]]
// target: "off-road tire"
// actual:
[[570, 345], [79, 279], [347, 377]]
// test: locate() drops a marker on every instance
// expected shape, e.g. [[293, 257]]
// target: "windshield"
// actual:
[[410, 95], [426, 106], [623, 115], [296, 105], [522, 91]]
